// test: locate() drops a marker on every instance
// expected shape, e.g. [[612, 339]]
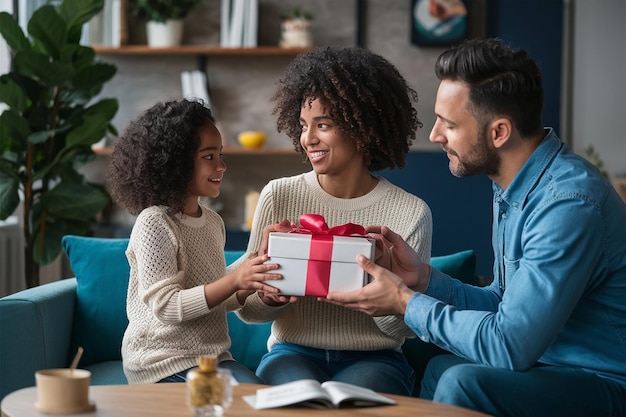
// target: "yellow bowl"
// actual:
[[252, 139]]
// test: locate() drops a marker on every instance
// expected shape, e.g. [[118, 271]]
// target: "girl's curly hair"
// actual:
[[366, 95], [153, 160]]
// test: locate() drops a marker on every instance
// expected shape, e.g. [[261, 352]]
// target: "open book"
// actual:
[[310, 393]]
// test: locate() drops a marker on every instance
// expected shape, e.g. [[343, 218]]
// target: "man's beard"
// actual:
[[482, 159]]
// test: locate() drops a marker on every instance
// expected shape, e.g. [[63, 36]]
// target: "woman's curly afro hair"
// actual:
[[366, 97], [153, 160]]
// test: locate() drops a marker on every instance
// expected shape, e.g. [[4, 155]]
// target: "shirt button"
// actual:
[[424, 339]]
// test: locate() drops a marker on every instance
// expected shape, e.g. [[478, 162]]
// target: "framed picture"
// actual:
[[439, 22]]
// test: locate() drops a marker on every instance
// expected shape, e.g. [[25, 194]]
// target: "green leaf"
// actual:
[[43, 135], [47, 27], [77, 55], [42, 67], [47, 252], [94, 124], [74, 201], [9, 195], [107, 107], [78, 12], [89, 132], [13, 128], [94, 75], [12, 94], [12, 33]]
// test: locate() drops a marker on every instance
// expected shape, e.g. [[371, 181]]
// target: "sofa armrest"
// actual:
[[35, 331]]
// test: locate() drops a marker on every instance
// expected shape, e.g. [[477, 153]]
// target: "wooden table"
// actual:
[[168, 400]]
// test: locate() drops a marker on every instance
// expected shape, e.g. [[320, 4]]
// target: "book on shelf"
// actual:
[[194, 86], [239, 23], [109, 27], [311, 393]]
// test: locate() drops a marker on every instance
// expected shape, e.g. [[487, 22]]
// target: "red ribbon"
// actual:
[[321, 251], [315, 224]]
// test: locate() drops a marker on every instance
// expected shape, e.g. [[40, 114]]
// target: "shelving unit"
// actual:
[[202, 52], [248, 168], [197, 50], [228, 151]]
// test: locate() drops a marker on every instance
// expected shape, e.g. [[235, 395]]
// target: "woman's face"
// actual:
[[327, 148]]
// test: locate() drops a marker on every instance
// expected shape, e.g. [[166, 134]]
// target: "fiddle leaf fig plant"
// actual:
[[50, 121]]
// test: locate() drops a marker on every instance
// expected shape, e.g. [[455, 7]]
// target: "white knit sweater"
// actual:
[[309, 322], [170, 324]]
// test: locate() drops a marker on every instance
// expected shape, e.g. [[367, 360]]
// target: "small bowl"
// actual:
[[251, 139]]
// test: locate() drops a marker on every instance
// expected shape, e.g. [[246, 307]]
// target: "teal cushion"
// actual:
[[232, 255], [460, 265], [101, 271], [249, 340]]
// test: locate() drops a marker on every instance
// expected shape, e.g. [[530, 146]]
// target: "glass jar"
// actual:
[[209, 388]]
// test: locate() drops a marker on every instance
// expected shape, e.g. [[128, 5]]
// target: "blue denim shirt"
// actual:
[[559, 290]]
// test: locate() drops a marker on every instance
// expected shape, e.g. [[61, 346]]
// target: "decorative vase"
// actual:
[[162, 35], [296, 33]]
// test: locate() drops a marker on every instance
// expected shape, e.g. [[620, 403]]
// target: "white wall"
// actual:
[[599, 81], [5, 6]]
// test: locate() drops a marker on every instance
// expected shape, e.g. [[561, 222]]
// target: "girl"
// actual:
[[179, 289]]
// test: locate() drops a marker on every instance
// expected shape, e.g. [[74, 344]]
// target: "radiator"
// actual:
[[11, 257]]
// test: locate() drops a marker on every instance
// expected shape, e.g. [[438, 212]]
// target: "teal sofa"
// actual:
[[43, 327]]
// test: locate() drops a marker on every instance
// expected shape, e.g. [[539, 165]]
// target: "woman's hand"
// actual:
[[275, 300], [284, 226]]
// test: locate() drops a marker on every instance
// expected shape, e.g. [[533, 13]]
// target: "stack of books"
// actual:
[[239, 23]]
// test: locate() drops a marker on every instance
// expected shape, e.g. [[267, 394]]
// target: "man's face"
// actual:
[[466, 143]]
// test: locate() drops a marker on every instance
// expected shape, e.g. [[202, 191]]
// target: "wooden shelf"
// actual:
[[227, 151], [196, 50]]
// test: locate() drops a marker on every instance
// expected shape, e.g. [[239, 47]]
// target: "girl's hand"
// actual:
[[253, 274]]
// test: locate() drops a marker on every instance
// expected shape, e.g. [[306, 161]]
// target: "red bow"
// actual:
[[315, 224]]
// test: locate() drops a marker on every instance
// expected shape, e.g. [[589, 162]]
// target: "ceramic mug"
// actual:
[[63, 391]]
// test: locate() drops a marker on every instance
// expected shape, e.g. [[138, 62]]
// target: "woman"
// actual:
[[349, 112]]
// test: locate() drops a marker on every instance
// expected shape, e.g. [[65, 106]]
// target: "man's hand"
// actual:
[[386, 294], [394, 254]]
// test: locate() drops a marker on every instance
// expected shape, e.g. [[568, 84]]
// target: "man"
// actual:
[[548, 336]]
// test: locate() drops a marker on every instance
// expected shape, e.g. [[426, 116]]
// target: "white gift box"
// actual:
[[314, 265]]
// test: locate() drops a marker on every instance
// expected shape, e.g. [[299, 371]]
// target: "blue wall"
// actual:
[[537, 26], [461, 207]]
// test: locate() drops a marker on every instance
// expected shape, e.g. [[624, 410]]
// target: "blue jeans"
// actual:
[[240, 373], [382, 370], [541, 391]]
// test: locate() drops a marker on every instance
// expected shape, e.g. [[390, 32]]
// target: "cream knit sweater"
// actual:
[[312, 323], [170, 324]]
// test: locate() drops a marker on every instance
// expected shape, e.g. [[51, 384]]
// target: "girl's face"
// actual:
[[328, 150], [208, 165]]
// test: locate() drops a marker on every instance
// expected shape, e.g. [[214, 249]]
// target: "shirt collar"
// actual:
[[527, 177]]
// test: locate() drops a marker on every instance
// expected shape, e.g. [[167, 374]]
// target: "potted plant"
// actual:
[[296, 29], [48, 127], [165, 19]]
